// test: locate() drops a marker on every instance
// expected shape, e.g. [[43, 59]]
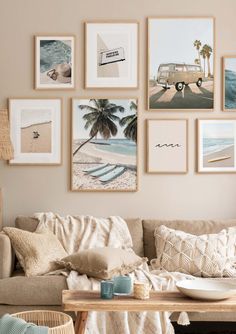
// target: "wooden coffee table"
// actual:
[[84, 301]]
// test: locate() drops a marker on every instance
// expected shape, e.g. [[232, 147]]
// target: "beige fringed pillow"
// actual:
[[36, 251], [102, 263], [208, 255]]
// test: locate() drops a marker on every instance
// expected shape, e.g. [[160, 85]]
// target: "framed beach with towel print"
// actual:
[[167, 146], [181, 54], [104, 144], [111, 54], [35, 128], [229, 83], [216, 145], [54, 62]]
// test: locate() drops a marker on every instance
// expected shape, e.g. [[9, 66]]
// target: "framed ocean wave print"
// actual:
[[181, 69], [35, 128], [216, 145], [104, 144], [54, 62], [229, 83], [111, 54], [167, 146]]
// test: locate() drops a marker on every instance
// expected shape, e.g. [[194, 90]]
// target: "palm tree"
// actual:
[[101, 118], [208, 51], [130, 123], [196, 61], [203, 54], [197, 44]]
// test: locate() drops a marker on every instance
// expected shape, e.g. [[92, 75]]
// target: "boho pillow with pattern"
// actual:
[[208, 255], [36, 252]]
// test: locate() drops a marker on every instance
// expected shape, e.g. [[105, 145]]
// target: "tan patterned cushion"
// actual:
[[36, 251], [103, 262], [207, 255]]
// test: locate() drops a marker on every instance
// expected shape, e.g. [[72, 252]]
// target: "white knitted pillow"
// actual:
[[207, 255]]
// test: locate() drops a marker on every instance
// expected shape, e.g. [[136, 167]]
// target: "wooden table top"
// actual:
[[75, 300]]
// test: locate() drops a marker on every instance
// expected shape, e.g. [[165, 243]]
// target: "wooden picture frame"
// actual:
[[216, 145], [176, 63], [55, 70], [167, 146], [110, 61], [228, 97], [36, 131], [106, 164]]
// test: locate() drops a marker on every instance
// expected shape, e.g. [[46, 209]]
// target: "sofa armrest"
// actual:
[[6, 256]]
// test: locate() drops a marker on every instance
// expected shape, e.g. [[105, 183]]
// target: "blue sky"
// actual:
[[78, 123], [171, 40], [218, 130], [230, 64]]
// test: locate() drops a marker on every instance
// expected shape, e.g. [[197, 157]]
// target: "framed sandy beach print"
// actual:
[[54, 62], [229, 83], [104, 145], [111, 54], [167, 146], [216, 145], [35, 127], [181, 63]]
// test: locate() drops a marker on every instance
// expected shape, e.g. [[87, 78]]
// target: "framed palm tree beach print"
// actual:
[[181, 63], [104, 145], [111, 54]]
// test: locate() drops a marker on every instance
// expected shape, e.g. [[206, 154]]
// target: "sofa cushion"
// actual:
[[38, 290], [207, 255], [196, 227], [104, 263], [134, 225], [35, 251]]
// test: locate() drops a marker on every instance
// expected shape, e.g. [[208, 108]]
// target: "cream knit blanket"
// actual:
[[83, 232]]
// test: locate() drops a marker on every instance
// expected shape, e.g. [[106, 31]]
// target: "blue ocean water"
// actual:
[[230, 89], [212, 145], [121, 146], [53, 52]]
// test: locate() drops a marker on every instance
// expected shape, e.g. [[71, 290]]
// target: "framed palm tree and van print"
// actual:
[[167, 146], [104, 145], [181, 63], [229, 83], [111, 54], [216, 145]]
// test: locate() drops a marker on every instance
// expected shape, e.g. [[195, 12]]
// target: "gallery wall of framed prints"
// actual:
[[181, 76]]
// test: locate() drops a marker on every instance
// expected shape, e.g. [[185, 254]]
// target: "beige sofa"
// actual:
[[18, 293]]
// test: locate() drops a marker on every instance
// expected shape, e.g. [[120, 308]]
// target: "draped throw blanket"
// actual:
[[77, 233]]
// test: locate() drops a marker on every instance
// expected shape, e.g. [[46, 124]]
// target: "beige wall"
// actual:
[[30, 189]]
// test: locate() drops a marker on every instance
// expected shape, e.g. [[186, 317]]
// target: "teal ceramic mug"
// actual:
[[122, 285]]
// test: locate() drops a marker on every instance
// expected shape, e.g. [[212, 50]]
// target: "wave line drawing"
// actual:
[[167, 145]]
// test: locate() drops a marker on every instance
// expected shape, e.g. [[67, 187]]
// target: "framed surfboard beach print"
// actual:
[[229, 83], [181, 69], [216, 145], [54, 62], [111, 54], [35, 129], [167, 146], [104, 144]]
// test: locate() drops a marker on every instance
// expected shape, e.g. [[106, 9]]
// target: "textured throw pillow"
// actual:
[[102, 262], [36, 252], [208, 255]]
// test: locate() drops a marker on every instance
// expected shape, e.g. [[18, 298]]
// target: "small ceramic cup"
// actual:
[[122, 285], [107, 289]]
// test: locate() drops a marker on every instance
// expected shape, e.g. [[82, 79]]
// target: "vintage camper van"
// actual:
[[111, 56], [179, 75]]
